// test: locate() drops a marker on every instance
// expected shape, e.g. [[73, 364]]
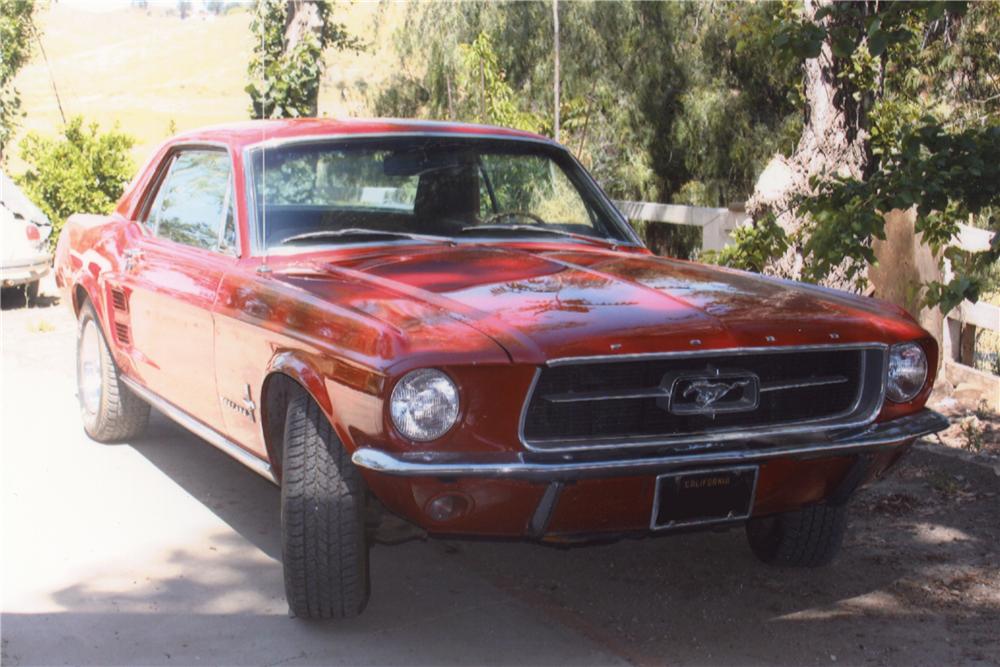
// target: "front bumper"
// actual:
[[517, 467], [21, 272]]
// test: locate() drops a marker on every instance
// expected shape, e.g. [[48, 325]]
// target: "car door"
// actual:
[[172, 275]]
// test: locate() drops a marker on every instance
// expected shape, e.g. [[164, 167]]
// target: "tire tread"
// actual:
[[807, 537], [324, 544], [122, 415]]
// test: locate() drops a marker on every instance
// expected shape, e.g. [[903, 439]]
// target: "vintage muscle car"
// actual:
[[453, 324]]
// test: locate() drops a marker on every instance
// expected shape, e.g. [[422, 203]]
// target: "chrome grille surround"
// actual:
[[866, 407]]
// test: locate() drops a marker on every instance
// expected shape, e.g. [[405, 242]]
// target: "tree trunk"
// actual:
[[302, 17], [905, 263], [833, 141]]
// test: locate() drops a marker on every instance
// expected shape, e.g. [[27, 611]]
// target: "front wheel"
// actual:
[[110, 411], [324, 541], [809, 537]]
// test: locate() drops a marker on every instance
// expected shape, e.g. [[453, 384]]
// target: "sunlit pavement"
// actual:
[[164, 551]]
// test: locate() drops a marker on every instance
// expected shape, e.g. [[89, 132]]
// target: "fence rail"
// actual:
[[717, 224], [961, 324]]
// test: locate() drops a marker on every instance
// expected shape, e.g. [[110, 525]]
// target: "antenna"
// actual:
[[263, 268]]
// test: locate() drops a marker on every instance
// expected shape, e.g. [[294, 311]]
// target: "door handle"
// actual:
[[132, 257]]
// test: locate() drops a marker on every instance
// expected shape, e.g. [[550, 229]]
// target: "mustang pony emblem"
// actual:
[[708, 392]]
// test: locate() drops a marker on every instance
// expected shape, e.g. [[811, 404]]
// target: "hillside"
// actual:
[[150, 71]]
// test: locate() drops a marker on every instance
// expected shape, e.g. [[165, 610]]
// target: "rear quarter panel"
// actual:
[[88, 247]]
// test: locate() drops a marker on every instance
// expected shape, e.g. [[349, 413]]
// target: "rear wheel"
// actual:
[[809, 537], [110, 410], [324, 541]]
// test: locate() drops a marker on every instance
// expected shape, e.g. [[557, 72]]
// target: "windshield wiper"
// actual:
[[357, 231], [540, 230]]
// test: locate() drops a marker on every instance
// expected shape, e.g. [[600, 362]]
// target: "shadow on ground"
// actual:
[[918, 583], [12, 298]]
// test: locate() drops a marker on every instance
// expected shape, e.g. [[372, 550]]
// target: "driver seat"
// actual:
[[447, 199]]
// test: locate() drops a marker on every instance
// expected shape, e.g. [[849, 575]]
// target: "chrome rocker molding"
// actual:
[[892, 432], [207, 433]]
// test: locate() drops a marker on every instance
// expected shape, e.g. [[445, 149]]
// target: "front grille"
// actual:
[[650, 399]]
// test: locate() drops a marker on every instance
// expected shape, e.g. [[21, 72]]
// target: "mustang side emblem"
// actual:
[[245, 407], [710, 392]]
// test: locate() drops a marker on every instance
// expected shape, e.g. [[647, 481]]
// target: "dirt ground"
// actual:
[[163, 551]]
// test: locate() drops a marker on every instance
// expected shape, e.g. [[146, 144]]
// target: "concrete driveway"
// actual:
[[164, 551]]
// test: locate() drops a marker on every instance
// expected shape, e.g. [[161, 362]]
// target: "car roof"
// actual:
[[241, 134]]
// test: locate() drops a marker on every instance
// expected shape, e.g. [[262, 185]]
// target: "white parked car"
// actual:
[[24, 230]]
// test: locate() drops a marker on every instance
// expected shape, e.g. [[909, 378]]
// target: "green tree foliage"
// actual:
[[926, 79], [285, 70], [753, 246], [663, 101], [16, 31], [482, 83], [84, 171]]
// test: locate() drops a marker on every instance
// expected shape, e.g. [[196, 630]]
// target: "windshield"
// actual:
[[423, 188]]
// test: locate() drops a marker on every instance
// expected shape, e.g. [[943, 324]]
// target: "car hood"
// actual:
[[546, 302]]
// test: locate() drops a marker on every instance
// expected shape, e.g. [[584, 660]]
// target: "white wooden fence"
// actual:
[[716, 223], [959, 335], [958, 341]]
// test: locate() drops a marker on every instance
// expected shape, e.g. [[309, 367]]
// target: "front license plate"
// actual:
[[703, 496]]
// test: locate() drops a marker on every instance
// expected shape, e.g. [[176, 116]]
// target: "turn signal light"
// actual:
[[32, 233], [446, 506]]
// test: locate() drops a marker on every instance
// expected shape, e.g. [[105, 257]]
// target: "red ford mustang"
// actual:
[[453, 324]]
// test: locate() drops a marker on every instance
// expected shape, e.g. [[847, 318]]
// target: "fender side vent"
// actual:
[[121, 333], [118, 299]]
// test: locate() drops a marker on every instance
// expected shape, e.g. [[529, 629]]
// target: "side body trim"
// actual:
[[207, 433]]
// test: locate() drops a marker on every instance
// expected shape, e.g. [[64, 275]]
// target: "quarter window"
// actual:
[[194, 205]]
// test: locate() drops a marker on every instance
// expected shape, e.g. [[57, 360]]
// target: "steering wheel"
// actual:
[[503, 215]]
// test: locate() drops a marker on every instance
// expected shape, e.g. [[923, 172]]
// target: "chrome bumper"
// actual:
[[26, 271], [516, 467]]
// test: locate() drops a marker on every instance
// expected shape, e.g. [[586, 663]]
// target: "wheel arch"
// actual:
[[82, 294], [287, 373]]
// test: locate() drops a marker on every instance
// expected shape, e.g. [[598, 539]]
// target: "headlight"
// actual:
[[907, 372], [424, 404]]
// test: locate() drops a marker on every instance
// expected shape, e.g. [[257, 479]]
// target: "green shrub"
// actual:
[[83, 171]]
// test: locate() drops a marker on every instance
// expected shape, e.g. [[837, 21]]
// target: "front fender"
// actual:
[[303, 370]]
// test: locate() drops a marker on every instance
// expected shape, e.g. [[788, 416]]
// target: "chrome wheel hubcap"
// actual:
[[90, 368]]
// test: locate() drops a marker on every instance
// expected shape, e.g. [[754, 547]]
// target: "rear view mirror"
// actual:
[[414, 163]]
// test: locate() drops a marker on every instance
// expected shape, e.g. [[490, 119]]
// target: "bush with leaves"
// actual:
[[753, 246], [83, 171]]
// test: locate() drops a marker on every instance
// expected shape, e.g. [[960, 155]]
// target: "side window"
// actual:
[[193, 203]]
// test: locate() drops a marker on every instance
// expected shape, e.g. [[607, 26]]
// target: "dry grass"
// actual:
[[151, 71]]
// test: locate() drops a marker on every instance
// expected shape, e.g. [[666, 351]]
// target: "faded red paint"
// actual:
[[346, 323]]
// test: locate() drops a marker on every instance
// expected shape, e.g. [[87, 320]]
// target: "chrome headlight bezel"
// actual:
[[424, 405], [907, 372]]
